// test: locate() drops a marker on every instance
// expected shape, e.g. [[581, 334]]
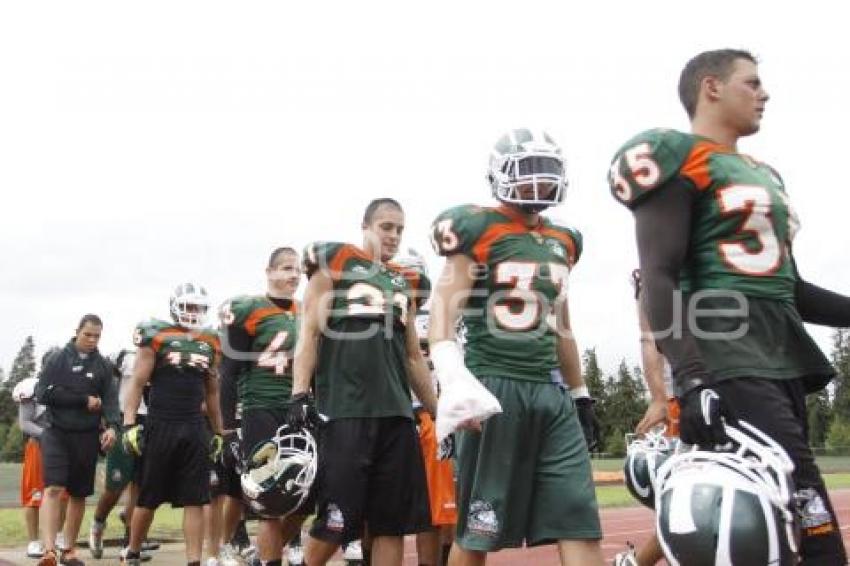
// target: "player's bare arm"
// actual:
[[568, 356], [211, 395], [417, 369], [653, 373], [317, 300], [142, 371]]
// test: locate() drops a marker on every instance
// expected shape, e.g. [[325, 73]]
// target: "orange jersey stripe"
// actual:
[[164, 335], [259, 314], [481, 249], [345, 253], [695, 167]]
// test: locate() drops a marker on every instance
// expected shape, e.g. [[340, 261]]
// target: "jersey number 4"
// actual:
[[274, 357]]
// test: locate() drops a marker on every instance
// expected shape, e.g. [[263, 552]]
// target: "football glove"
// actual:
[[133, 439], [702, 418], [462, 396], [216, 446], [302, 412], [589, 422]]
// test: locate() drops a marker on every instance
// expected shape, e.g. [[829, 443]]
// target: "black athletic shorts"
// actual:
[[70, 459], [176, 464], [778, 408], [371, 474], [259, 425]]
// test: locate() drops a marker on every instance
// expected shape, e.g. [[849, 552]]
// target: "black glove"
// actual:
[[589, 422], [703, 414], [302, 412]]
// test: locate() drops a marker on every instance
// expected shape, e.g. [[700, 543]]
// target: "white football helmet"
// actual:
[[189, 304], [728, 507], [527, 169]]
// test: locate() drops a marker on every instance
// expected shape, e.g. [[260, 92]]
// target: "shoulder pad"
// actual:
[[457, 229], [146, 331], [237, 310], [647, 161], [327, 256]]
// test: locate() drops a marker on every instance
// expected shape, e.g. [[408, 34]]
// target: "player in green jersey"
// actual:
[[525, 477], [259, 336], [180, 360], [723, 295], [359, 340]]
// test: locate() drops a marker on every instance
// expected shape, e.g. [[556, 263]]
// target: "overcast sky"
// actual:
[[143, 144]]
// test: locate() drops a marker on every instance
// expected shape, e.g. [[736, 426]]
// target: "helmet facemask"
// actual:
[[527, 170], [189, 305], [281, 471]]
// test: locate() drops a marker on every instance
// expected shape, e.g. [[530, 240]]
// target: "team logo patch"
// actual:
[[815, 518], [482, 519], [116, 476], [556, 247], [213, 479], [335, 522], [204, 347], [36, 495]]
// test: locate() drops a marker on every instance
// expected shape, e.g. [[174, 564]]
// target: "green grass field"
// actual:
[[167, 524]]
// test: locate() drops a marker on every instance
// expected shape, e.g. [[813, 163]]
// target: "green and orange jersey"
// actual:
[[184, 360], [362, 361], [261, 335], [522, 275], [743, 223], [742, 226]]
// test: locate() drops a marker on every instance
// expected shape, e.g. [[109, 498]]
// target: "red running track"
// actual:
[[620, 525]]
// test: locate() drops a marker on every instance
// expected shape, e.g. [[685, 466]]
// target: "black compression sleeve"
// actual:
[[663, 227], [820, 306]]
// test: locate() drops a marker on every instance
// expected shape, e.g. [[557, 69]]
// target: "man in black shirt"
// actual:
[[77, 389]]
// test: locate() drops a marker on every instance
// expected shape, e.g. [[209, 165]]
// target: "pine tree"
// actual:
[[820, 415], [24, 364], [22, 368]]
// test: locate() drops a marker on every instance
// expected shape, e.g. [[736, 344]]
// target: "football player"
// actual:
[[723, 295], [663, 410], [359, 338], [122, 468], [258, 338], [179, 359], [525, 478], [432, 546]]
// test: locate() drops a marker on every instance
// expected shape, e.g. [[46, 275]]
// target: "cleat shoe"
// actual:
[[96, 539], [295, 554], [69, 558], [35, 549], [228, 556], [60, 541], [134, 561], [150, 545]]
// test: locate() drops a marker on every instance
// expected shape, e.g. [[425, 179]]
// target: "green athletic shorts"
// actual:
[[120, 467], [526, 478]]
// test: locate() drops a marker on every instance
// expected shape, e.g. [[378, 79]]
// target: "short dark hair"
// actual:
[[717, 63], [375, 204], [280, 251], [92, 318]]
